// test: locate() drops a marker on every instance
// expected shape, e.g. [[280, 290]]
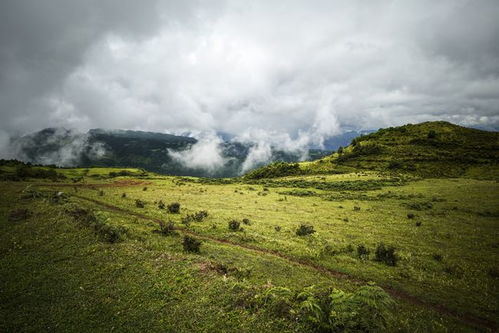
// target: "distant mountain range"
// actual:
[[159, 152]]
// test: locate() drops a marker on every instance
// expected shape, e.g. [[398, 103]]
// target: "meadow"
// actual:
[[355, 251]]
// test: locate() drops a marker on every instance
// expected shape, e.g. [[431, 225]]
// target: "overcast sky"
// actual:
[[289, 71]]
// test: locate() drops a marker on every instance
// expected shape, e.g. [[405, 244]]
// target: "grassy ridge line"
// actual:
[[402, 295]]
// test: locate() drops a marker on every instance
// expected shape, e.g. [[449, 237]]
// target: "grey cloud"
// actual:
[[288, 74]]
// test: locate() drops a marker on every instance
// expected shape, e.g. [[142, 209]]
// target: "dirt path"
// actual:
[[116, 183], [462, 317]]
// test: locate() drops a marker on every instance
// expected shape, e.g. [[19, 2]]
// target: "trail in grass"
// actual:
[[463, 317]]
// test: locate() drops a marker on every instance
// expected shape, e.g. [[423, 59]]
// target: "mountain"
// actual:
[[158, 152], [344, 139], [429, 149]]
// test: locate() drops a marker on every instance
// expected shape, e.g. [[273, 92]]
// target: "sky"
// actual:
[[289, 73]]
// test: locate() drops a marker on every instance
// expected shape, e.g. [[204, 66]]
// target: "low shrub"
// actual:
[[111, 233], [418, 223], [276, 169], [411, 216], [365, 310], [167, 228], [305, 229], [277, 228], [145, 188], [386, 255], [195, 217], [437, 257], [363, 252], [19, 214], [356, 208], [139, 203], [101, 193], [123, 195], [174, 208], [161, 204], [191, 244], [494, 273], [234, 225], [246, 221]]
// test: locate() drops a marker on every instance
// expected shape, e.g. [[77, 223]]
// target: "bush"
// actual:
[[191, 244], [418, 223], [432, 134], [161, 204], [174, 208], [145, 188], [101, 193], [386, 255], [167, 228], [356, 208], [363, 252], [277, 228], [411, 216], [234, 225], [437, 257], [139, 203], [305, 229], [365, 310], [19, 214], [246, 221], [112, 234], [273, 170], [123, 195], [196, 217], [394, 165]]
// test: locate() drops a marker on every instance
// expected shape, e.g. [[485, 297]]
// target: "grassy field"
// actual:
[[91, 255]]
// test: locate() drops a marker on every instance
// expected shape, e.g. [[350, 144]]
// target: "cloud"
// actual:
[[56, 146], [206, 154], [258, 154], [292, 74]]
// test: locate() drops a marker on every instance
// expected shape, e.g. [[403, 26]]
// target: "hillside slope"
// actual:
[[430, 149]]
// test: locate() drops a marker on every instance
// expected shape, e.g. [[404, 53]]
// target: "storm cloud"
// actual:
[[286, 73]]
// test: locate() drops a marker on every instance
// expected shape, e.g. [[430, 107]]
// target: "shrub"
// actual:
[[494, 273], [394, 165], [234, 225], [363, 252], [101, 193], [418, 223], [277, 228], [191, 244], [437, 257], [123, 195], [174, 208], [386, 255], [161, 204], [365, 310], [197, 217], [139, 203], [411, 216], [167, 228], [276, 169], [305, 229], [19, 214], [419, 205], [145, 188], [112, 234], [432, 134], [356, 208], [246, 221]]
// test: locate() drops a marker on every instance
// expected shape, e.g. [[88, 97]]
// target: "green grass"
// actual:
[[61, 273], [47, 258]]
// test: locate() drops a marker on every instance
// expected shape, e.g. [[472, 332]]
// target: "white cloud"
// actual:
[[293, 72], [206, 154]]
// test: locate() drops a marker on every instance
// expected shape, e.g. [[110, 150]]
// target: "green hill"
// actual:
[[430, 149]]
